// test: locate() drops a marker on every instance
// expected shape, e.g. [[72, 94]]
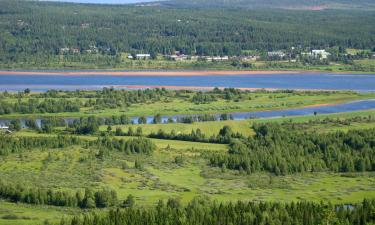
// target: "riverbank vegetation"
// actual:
[[118, 106]]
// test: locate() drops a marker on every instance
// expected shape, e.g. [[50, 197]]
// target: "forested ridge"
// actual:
[[38, 30], [295, 4]]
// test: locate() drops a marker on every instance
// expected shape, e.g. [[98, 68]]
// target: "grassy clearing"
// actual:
[[208, 128], [23, 214]]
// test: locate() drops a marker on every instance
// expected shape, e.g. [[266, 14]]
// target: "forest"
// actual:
[[205, 212], [283, 151], [38, 31]]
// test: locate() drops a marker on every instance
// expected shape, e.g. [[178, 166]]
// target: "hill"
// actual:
[[280, 4]]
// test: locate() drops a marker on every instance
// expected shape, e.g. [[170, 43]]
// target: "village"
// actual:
[[293, 54]]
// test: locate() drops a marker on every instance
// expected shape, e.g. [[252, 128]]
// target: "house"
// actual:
[[279, 54], [75, 50], [250, 58], [142, 56], [177, 57], [215, 58], [64, 50], [321, 54], [4, 127]]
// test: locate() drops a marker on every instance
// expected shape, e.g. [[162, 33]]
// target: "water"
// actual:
[[103, 1], [308, 81], [347, 107]]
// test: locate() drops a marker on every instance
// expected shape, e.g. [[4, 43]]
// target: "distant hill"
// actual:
[[283, 4]]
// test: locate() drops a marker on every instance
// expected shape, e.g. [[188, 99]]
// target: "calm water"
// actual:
[[347, 107], [356, 82]]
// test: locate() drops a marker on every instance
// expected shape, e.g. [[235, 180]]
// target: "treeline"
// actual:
[[131, 146], [9, 145], [54, 101], [37, 106], [39, 196], [281, 151], [205, 212]]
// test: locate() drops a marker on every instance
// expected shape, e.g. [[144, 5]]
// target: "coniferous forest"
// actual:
[[41, 32]]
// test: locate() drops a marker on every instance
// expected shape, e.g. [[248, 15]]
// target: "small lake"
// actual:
[[308, 81], [347, 107]]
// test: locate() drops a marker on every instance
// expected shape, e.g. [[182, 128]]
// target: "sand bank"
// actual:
[[147, 73]]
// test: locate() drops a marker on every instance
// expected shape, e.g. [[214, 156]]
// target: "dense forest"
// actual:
[[279, 4], [282, 151], [40, 31], [205, 212]]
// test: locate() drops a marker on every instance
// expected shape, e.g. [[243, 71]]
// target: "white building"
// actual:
[[280, 54], [321, 54], [142, 56]]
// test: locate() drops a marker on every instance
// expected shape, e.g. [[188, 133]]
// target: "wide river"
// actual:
[[308, 81]]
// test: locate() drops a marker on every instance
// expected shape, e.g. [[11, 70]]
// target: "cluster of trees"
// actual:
[[37, 106], [89, 199], [329, 121], [203, 98], [203, 118], [281, 151], [225, 136], [119, 132], [10, 145], [205, 212], [101, 33], [131, 146]]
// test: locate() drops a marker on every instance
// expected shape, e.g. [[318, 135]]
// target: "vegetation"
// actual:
[[283, 151], [52, 35], [60, 170], [201, 211]]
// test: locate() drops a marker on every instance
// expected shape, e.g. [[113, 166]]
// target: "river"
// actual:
[[306, 81]]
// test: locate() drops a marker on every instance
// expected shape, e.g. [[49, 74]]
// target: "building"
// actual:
[[279, 54], [64, 50], [142, 56], [215, 58], [75, 51], [4, 127], [250, 58], [321, 54], [177, 57]]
